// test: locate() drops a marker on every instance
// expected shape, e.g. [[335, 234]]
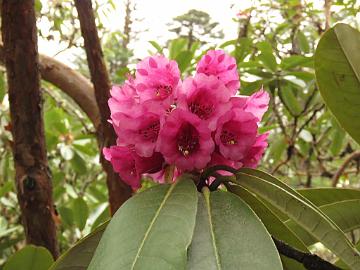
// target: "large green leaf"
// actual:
[[322, 196], [152, 230], [343, 213], [337, 69], [30, 258], [273, 224], [307, 216], [79, 256], [228, 235]]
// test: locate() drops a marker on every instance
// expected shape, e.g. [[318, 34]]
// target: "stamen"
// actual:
[[228, 137], [188, 140], [151, 132], [202, 110]]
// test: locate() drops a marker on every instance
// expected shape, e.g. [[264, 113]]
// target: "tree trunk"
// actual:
[[119, 192], [33, 180]]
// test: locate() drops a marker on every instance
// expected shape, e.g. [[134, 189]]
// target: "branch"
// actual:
[[340, 171], [119, 192], [71, 82], [309, 261]]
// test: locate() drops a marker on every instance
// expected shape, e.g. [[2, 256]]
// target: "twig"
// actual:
[[309, 261], [340, 171]]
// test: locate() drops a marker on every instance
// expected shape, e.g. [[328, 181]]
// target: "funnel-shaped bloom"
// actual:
[[185, 141], [236, 133], [205, 96], [221, 65], [130, 166], [157, 78]]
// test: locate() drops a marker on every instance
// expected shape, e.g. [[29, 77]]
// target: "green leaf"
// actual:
[[66, 215], [337, 69], [228, 235], [80, 212], [322, 196], [242, 49], [302, 41], [287, 96], [184, 59], [156, 45], [2, 87], [30, 258], [79, 256], [344, 214], [152, 230], [296, 61], [305, 215], [273, 224], [267, 57], [176, 46]]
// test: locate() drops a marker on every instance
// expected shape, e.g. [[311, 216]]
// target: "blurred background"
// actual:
[[273, 43]]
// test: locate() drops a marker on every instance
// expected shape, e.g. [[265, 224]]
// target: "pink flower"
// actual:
[[124, 99], [185, 141], [257, 103], [157, 78], [142, 131], [205, 96], [130, 166], [256, 151], [221, 65], [236, 133]]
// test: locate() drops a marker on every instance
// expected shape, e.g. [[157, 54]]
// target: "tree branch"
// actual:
[[71, 82], [309, 261], [340, 171], [119, 192]]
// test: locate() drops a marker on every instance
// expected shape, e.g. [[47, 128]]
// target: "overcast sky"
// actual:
[[156, 14]]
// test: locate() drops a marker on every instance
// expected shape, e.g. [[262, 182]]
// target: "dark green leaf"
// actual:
[[337, 68], [152, 230], [30, 258], [228, 236], [304, 214], [79, 256]]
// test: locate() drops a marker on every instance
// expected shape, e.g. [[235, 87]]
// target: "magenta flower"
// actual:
[[236, 133], [257, 103], [205, 96], [256, 151], [130, 166], [157, 78], [185, 141], [124, 99], [142, 132], [221, 65]]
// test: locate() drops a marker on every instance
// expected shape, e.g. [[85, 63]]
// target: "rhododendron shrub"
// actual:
[[189, 125]]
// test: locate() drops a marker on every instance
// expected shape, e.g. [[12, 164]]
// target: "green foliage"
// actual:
[[228, 235], [30, 258], [337, 69], [308, 216], [157, 236]]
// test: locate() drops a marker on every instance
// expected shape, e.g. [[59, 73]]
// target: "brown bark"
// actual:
[[33, 180], [119, 192], [353, 156], [71, 82]]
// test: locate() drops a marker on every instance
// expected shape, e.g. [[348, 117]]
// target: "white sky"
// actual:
[[156, 14]]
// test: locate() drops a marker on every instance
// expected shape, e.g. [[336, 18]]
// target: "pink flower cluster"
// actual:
[[200, 122]]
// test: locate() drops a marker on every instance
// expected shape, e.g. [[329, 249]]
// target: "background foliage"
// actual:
[[274, 49]]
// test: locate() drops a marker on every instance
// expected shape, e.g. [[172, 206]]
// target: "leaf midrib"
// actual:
[[157, 213], [350, 62], [213, 239]]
